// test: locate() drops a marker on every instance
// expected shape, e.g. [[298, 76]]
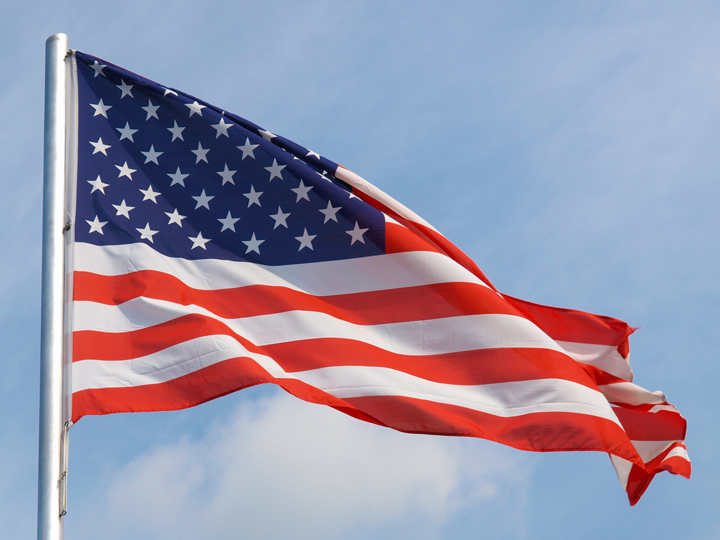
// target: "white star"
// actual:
[[125, 171], [149, 194], [330, 212], [227, 175], [253, 196], [98, 184], [168, 91], [127, 132], [357, 234], [123, 209], [324, 176], [100, 108], [311, 153], [280, 218], [198, 241], [229, 222], [302, 191], [203, 200], [247, 148], [97, 68], [195, 108], [178, 177], [96, 225], [125, 88], [151, 110], [222, 128], [152, 155], [147, 233], [266, 134], [253, 245], [200, 153], [305, 240], [275, 170], [99, 146], [176, 132], [175, 217]]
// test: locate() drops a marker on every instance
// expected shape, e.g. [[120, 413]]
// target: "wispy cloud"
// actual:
[[281, 468]]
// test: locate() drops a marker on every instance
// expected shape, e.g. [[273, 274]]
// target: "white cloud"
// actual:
[[282, 468]]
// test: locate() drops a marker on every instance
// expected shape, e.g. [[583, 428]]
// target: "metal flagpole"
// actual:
[[50, 521]]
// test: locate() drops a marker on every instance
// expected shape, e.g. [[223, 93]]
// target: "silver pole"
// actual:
[[50, 523]]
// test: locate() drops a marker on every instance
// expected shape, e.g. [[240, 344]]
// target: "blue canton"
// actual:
[[158, 166]]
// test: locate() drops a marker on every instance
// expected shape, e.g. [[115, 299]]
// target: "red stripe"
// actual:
[[485, 366], [399, 239], [373, 307], [638, 481], [537, 431], [575, 326], [599, 376], [647, 426]]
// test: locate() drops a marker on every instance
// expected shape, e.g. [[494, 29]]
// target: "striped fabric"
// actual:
[[655, 428], [411, 336]]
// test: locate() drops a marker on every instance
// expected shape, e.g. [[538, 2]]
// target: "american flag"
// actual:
[[208, 254]]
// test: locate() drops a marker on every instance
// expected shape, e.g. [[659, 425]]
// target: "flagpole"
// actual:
[[50, 521]]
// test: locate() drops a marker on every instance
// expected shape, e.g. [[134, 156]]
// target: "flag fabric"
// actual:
[[207, 255]]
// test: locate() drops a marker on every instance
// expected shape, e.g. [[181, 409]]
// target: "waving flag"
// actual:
[[209, 255]]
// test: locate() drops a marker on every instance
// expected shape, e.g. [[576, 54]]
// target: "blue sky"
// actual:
[[570, 150]]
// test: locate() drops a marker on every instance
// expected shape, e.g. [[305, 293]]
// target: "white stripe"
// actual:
[[622, 468], [436, 336], [604, 357], [678, 451], [388, 219], [649, 450], [379, 195], [667, 407], [632, 394], [500, 399], [380, 272]]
